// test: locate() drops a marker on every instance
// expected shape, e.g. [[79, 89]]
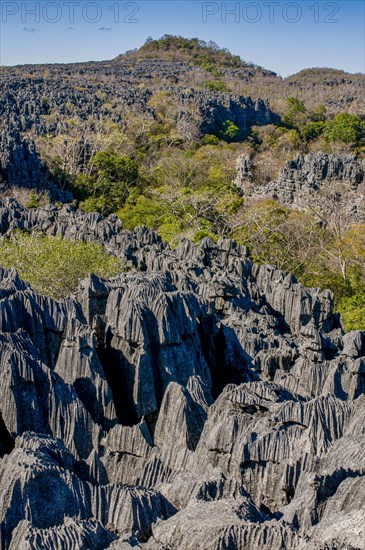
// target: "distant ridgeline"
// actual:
[[55, 117]]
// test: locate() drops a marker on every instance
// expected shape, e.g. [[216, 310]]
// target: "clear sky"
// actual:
[[283, 36]]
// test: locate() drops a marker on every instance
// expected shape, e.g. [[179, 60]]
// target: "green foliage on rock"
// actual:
[[107, 187], [207, 55], [54, 266], [210, 139], [33, 200], [352, 309], [229, 130], [349, 294], [216, 85], [144, 210], [345, 128]]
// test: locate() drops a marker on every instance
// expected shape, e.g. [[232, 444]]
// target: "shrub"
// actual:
[[229, 130], [312, 130], [216, 86], [54, 266], [33, 200], [345, 128], [108, 186], [210, 139]]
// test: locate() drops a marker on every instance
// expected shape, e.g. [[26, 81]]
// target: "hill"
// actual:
[[155, 136]]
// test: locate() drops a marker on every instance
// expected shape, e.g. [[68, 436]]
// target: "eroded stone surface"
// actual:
[[193, 401], [313, 180]]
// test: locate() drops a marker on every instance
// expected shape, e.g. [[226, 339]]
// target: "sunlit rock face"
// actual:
[[330, 184], [193, 401], [36, 103]]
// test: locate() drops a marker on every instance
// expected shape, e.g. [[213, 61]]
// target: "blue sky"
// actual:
[[283, 36]]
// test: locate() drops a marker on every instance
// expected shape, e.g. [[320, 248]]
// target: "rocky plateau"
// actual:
[[194, 401]]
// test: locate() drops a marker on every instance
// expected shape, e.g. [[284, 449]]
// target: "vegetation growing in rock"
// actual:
[[143, 151], [182, 187], [54, 266], [324, 257], [107, 186], [345, 128], [207, 55]]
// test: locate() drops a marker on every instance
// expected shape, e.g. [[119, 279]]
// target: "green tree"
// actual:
[[216, 85], [145, 210], [114, 168], [106, 189], [296, 114], [312, 130], [345, 128], [229, 130]]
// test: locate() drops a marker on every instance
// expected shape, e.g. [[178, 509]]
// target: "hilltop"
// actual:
[[191, 62], [207, 55]]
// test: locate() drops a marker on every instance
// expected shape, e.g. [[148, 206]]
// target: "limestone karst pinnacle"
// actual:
[[194, 401]]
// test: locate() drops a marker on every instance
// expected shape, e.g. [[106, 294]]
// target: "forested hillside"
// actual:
[[192, 141]]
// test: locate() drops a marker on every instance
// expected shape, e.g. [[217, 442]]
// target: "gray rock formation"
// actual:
[[216, 108], [243, 173], [193, 401], [38, 101], [324, 182]]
